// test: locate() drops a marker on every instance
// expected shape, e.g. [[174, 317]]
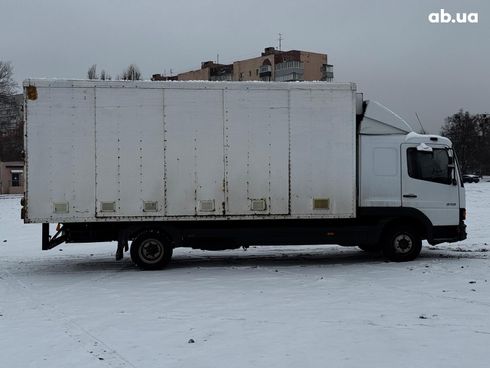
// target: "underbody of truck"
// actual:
[[370, 231]]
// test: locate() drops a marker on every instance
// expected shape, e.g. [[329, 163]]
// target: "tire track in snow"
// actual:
[[93, 345], [435, 296], [101, 274]]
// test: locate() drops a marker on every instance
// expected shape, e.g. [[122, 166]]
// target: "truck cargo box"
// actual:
[[151, 151]]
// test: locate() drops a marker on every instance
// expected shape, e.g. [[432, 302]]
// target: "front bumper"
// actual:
[[448, 234]]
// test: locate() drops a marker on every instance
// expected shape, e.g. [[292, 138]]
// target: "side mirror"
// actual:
[[450, 154], [452, 174]]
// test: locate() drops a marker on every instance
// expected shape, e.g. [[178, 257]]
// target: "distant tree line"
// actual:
[[12, 143], [7, 82], [470, 135], [132, 72], [11, 127]]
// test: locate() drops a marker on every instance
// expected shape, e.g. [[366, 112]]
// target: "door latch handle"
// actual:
[[409, 196]]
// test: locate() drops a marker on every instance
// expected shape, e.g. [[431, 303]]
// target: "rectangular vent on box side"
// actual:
[[206, 205], [61, 207], [150, 206], [258, 204], [108, 206], [321, 203]]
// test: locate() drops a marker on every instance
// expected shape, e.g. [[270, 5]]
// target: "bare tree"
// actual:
[[104, 75], [12, 143], [132, 72], [463, 130], [7, 82], [92, 72], [11, 132], [483, 149]]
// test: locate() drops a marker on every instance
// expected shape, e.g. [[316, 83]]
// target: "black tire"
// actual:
[[370, 248], [151, 250], [401, 243]]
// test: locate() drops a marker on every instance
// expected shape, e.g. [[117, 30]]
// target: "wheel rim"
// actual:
[[151, 250], [403, 243]]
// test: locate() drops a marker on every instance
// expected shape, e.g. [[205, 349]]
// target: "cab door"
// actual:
[[428, 184]]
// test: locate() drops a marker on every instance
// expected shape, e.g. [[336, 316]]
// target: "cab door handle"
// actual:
[[410, 196]]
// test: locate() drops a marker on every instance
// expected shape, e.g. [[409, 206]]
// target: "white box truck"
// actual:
[[220, 165]]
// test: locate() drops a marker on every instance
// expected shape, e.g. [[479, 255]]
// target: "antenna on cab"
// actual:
[[423, 130]]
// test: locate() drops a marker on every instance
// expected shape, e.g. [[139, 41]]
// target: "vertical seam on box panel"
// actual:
[[357, 159], [354, 165], [359, 168], [72, 154], [95, 150], [26, 160], [138, 116], [225, 208], [50, 150], [118, 136], [196, 132], [289, 151], [164, 155], [269, 125], [249, 133]]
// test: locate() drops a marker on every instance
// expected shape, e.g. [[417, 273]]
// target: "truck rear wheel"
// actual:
[[151, 251], [401, 244]]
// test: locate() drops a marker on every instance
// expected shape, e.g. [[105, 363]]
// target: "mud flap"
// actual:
[[122, 245]]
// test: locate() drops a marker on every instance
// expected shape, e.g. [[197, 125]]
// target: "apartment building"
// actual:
[[271, 65]]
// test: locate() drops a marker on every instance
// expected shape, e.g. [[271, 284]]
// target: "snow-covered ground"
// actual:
[[314, 306]]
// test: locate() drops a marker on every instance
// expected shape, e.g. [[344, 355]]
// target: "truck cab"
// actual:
[[413, 176]]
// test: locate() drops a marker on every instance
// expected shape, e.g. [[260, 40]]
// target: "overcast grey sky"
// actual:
[[388, 47]]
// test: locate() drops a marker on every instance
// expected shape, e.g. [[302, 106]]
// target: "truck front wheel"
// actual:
[[151, 251], [401, 244]]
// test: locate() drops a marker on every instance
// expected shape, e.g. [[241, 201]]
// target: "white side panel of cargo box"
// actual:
[[60, 155], [379, 170], [129, 152], [194, 167], [323, 153], [257, 151], [160, 150]]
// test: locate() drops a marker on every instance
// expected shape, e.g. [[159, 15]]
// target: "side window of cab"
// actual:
[[429, 166]]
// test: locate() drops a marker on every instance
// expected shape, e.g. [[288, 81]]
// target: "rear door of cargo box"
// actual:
[[59, 151]]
